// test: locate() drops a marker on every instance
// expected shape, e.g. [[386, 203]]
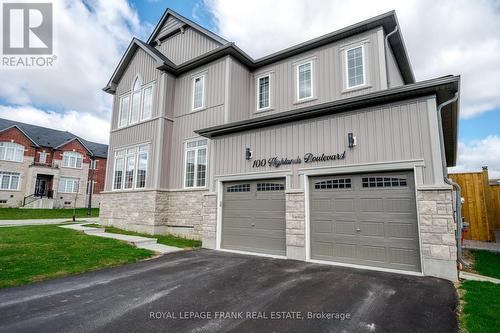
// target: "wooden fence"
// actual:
[[481, 208]]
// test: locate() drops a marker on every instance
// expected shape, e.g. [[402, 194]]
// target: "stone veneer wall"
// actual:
[[437, 233], [154, 212], [295, 225], [209, 221]]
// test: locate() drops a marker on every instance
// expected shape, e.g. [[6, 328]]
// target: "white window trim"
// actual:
[[120, 111], [311, 62], [71, 167], [257, 95], [362, 46], [202, 76], [136, 164], [186, 149], [143, 89], [16, 147], [10, 180], [71, 178]]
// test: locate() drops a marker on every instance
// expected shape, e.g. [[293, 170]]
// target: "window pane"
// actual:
[[264, 92], [124, 107], [136, 100], [355, 69], [129, 172], [198, 93], [79, 160], [5, 182], [2, 152], [9, 156], [141, 169], [147, 103], [305, 83], [14, 181], [19, 155], [201, 167], [190, 168], [117, 183]]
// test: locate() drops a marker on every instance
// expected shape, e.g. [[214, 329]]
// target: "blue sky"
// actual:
[[91, 36]]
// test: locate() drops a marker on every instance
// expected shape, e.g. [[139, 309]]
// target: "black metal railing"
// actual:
[[37, 196]]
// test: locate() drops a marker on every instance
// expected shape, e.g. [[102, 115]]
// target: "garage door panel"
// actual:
[[374, 221], [253, 216]]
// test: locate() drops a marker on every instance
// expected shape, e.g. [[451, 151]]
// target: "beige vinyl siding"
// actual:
[[184, 46], [214, 89], [170, 24], [142, 133], [389, 133], [240, 92], [395, 77], [328, 75], [144, 65]]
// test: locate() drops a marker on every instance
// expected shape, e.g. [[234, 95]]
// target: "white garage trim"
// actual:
[[415, 165]]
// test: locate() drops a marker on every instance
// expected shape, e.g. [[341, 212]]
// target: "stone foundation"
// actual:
[[154, 212], [295, 225], [209, 221], [437, 233]]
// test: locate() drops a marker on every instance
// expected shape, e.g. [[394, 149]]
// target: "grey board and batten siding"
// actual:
[[187, 45], [395, 132], [171, 24], [328, 75], [253, 214], [365, 219]]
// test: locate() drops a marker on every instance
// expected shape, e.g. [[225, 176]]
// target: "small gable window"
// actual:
[[10, 151], [137, 105], [72, 159]]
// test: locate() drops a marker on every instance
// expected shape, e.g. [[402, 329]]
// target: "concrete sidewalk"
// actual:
[[477, 277], [137, 241], [14, 223], [476, 245]]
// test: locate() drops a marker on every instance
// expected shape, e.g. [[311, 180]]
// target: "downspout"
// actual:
[[385, 53], [458, 190]]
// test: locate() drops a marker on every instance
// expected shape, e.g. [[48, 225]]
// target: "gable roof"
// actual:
[[388, 21], [51, 138], [186, 22]]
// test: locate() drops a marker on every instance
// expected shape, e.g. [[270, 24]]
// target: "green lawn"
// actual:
[[487, 263], [35, 253], [22, 214], [481, 311], [162, 239]]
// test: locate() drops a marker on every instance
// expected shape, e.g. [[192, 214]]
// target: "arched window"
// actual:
[[10, 151], [72, 159], [136, 101]]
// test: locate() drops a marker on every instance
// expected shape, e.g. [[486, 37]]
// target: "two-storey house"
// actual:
[[328, 151], [42, 167]]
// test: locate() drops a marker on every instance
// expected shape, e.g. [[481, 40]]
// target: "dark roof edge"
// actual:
[[423, 88], [24, 133], [81, 142]]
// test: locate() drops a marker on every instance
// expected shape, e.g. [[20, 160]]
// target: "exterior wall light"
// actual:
[[248, 154], [351, 140]]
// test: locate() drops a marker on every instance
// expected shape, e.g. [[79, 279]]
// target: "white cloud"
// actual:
[[472, 156], [84, 124], [442, 37], [89, 40]]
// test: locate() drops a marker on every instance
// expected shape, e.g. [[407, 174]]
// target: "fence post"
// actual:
[[489, 209]]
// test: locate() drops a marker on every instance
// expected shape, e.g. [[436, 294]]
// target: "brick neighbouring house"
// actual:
[[45, 168]]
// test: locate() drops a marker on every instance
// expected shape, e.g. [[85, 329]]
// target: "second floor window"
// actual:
[[72, 159], [196, 163], [124, 106], [43, 158], [68, 185], [136, 102], [147, 103], [10, 151], [263, 92], [304, 81], [355, 67], [198, 92]]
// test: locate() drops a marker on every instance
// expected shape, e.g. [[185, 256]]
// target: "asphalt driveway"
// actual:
[[200, 291]]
